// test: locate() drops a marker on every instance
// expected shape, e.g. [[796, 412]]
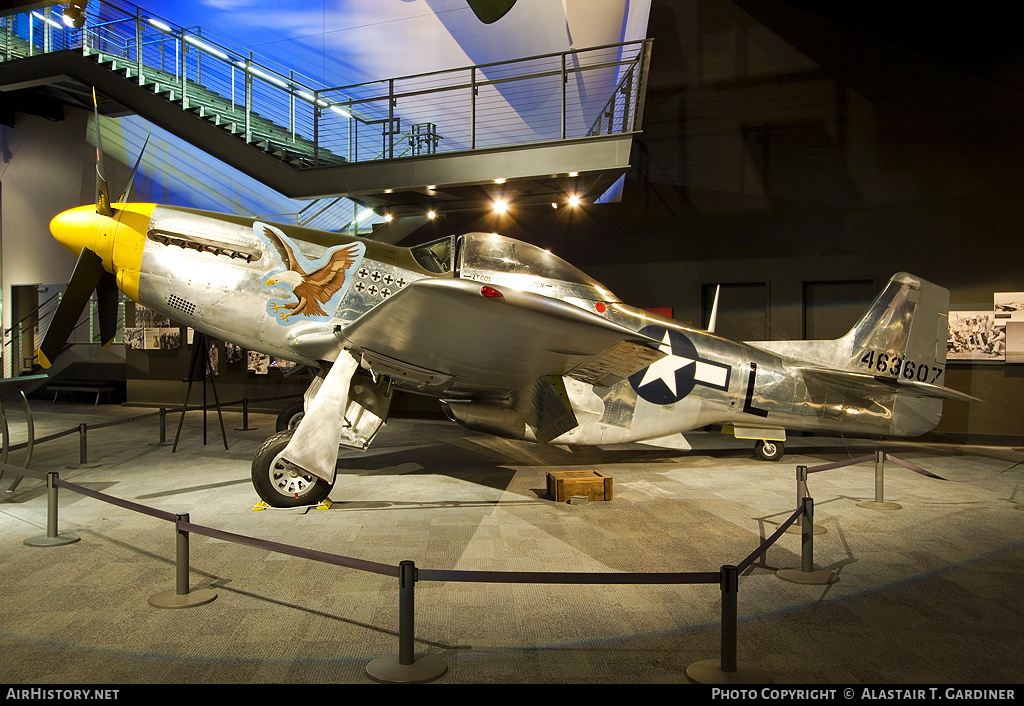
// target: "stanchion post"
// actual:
[[727, 669], [801, 493], [879, 476], [181, 596], [83, 449], [806, 573], [245, 416], [181, 556], [163, 429], [807, 537], [730, 588], [52, 539], [406, 667], [406, 612], [879, 502]]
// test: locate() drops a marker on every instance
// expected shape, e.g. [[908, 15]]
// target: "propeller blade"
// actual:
[[131, 177], [87, 275], [107, 296], [102, 191]]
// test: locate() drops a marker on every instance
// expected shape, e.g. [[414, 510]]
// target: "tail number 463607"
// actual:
[[896, 366]]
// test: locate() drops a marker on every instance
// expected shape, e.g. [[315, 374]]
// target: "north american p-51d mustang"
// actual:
[[513, 341]]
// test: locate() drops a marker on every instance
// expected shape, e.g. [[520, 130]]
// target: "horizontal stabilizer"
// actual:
[[864, 384]]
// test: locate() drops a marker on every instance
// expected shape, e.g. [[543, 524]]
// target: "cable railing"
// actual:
[[556, 96], [519, 102], [21, 341]]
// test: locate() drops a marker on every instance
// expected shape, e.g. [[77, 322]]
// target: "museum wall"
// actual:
[[42, 175]]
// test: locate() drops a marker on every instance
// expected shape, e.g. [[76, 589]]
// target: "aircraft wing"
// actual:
[[865, 384], [464, 337]]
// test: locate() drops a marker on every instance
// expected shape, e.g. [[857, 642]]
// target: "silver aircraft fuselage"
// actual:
[[231, 278]]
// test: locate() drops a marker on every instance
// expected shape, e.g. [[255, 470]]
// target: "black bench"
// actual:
[[98, 387]]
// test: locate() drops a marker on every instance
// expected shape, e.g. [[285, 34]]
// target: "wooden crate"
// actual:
[[592, 485]]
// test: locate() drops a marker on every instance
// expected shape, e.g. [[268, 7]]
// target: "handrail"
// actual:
[[32, 313], [308, 124], [43, 314]]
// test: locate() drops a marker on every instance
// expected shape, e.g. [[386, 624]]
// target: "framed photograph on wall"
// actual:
[[976, 335], [1009, 305]]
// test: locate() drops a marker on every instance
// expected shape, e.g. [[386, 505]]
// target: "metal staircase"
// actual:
[[383, 142]]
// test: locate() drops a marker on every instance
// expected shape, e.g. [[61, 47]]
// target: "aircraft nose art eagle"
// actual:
[[313, 283]]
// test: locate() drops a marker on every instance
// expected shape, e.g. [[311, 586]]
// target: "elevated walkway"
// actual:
[[442, 138]]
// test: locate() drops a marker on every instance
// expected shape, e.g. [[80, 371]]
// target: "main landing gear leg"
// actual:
[[296, 467]]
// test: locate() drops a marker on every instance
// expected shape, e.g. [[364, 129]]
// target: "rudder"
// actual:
[[903, 334]]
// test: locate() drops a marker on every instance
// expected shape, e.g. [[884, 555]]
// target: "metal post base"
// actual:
[[172, 599], [876, 505], [817, 578], [45, 541], [710, 672], [388, 669]]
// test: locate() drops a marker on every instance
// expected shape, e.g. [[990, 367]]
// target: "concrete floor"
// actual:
[[929, 593]]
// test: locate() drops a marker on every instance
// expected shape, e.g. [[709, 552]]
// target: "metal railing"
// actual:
[[21, 341], [307, 124], [518, 102]]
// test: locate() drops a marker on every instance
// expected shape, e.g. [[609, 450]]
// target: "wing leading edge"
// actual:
[[466, 338]]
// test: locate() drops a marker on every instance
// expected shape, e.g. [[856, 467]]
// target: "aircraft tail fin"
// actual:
[[904, 332], [897, 348], [902, 335]]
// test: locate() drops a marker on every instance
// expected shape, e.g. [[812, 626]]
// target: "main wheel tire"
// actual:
[[290, 416], [281, 485], [769, 450]]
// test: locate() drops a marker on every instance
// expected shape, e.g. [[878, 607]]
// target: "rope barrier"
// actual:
[[301, 552], [407, 667]]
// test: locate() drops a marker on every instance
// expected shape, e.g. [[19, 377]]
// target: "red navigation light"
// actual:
[[600, 307], [491, 292]]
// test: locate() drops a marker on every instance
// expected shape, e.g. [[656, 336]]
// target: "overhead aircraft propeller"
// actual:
[[89, 274]]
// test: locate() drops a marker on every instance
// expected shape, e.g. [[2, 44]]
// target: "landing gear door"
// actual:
[[367, 411]]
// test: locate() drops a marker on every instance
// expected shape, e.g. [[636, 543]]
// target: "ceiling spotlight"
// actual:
[[388, 217], [500, 206], [74, 15], [431, 214], [499, 180], [574, 201], [573, 174], [554, 204]]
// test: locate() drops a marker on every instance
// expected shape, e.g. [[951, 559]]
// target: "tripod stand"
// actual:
[[200, 357]]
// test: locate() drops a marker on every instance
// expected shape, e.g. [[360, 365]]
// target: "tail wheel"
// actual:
[[280, 484], [769, 450]]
